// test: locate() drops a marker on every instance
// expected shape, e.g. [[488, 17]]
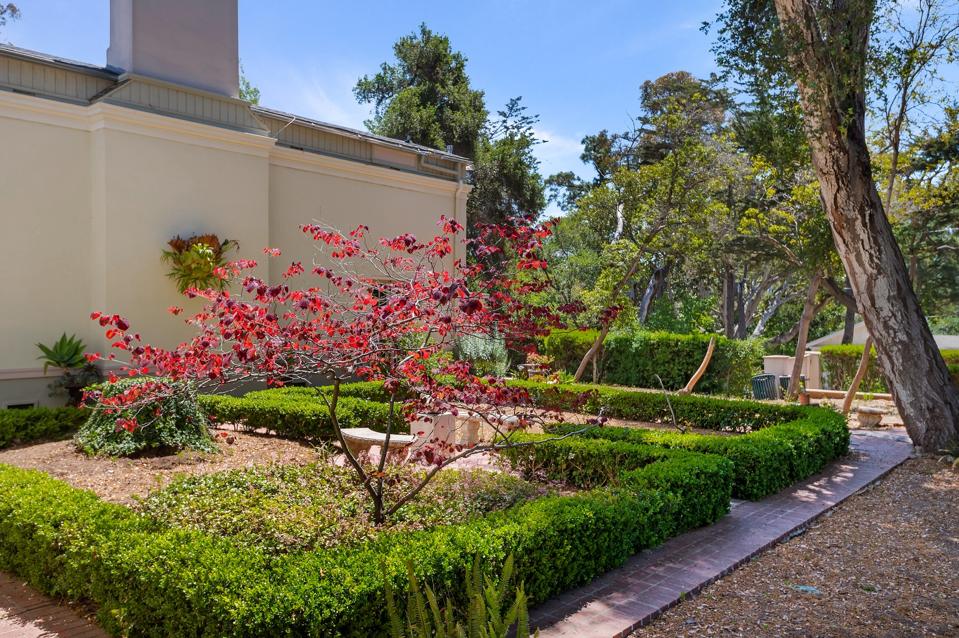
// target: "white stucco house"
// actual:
[[102, 165], [860, 334]]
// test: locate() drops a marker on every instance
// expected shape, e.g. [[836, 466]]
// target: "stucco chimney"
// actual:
[[188, 42]]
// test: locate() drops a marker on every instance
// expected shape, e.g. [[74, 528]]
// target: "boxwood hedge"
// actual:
[[641, 488], [151, 581], [298, 415], [32, 424]]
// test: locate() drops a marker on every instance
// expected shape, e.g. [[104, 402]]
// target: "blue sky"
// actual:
[[577, 64]]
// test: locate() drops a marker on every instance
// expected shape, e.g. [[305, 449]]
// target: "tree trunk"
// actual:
[[654, 290], [849, 324], [830, 76], [860, 373], [778, 300], [808, 312], [701, 370], [729, 303], [741, 325]]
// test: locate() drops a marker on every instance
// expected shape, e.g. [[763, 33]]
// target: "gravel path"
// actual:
[[885, 563]]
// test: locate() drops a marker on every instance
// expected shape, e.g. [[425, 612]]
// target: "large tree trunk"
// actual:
[[849, 324], [828, 44], [808, 312]]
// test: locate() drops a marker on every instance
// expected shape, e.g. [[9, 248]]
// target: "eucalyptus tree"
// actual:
[[823, 46]]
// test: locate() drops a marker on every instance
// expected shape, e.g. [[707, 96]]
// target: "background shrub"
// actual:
[[840, 363], [634, 359], [22, 426], [486, 353], [176, 422], [568, 347]]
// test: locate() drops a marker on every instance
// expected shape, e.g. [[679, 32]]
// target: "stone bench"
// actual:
[[364, 439], [869, 417]]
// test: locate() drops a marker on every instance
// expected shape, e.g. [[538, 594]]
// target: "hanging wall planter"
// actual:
[[193, 261]]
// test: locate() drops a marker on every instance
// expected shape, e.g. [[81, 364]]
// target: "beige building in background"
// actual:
[[101, 166]]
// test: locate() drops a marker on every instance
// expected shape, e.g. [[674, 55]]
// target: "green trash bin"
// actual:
[[764, 387]]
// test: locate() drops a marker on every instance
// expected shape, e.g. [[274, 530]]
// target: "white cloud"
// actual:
[[324, 94], [558, 152]]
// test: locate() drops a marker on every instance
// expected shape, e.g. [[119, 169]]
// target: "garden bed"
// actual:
[[187, 574], [118, 480]]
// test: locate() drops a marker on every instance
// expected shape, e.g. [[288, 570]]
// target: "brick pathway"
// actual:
[[618, 602], [24, 613]]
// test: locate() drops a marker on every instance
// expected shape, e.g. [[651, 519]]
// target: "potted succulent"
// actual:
[[68, 354], [194, 261]]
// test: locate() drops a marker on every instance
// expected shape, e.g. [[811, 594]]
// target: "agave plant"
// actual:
[[483, 617], [66, 353], [193, 261]]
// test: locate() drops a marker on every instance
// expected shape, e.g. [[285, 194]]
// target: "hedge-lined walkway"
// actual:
[[651, 582], [24, 613]]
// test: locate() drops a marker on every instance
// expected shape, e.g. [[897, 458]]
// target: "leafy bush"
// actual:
[[568, 347], [288, 508], [149, 579], [366, 390], [634, 359], [485, 615], [839, 363], [22, 426], [585, 463], [486, 353], [176, 422]]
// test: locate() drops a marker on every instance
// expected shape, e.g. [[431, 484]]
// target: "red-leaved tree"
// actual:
[[385, 311]]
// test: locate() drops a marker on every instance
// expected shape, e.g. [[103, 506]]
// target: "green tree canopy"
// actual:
[[425, 96]]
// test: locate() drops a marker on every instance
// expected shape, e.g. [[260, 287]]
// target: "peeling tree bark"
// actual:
[[827, 53]]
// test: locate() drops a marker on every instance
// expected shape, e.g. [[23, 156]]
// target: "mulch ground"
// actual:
[[883, 564], [118, 480]]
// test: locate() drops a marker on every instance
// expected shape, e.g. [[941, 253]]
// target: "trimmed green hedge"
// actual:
[[32, 424], [639, 405], [297, 415], [152, 581], [634, 359], [366, 390], [764, 461], [148, 580], [841, 362]]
